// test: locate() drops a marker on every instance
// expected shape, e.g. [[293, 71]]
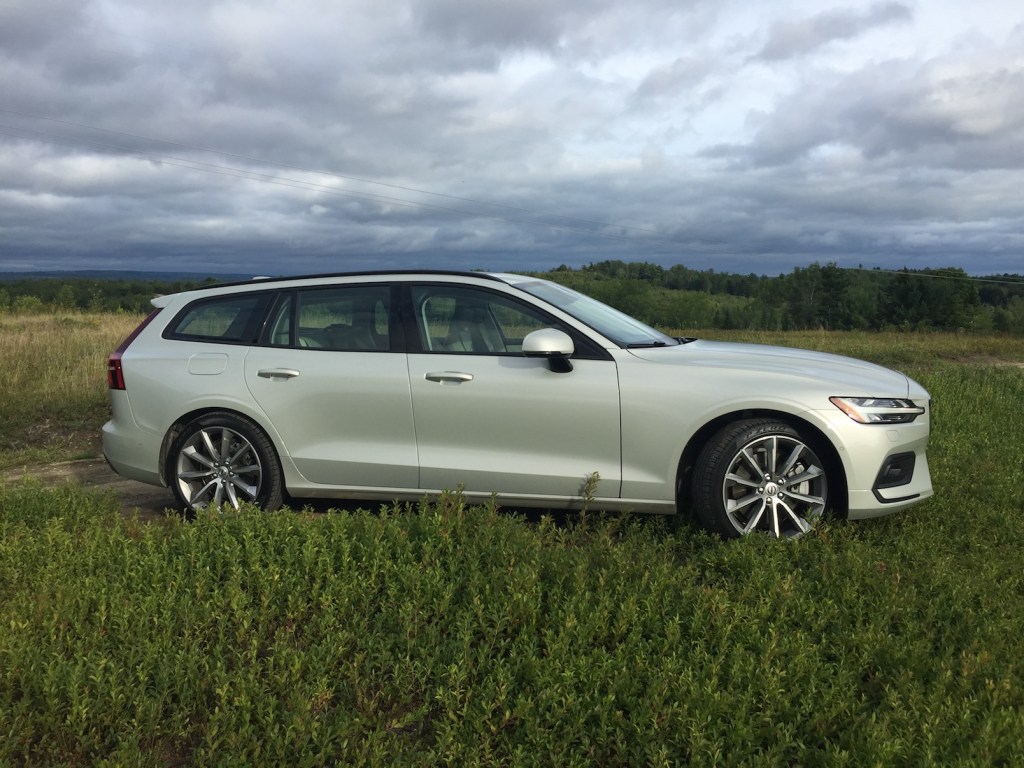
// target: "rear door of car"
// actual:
[[491, 420], [334, 383]]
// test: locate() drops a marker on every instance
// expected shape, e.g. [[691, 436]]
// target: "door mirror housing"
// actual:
[[552, 344]]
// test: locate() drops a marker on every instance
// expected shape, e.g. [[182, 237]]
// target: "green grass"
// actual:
[[921, 351], [440, 634], [464, 637]]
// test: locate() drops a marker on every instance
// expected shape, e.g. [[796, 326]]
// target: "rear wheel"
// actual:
[[222, 458], [760, 475]]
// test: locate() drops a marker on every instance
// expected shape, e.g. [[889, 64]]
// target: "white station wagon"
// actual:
[[397, 385]]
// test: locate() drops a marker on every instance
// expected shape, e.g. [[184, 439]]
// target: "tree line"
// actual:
[[819, 296], [37, 295]]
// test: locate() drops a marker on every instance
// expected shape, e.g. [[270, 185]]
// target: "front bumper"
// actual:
[[886, 466]]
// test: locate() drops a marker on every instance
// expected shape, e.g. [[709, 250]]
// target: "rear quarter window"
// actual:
[[228, 319]]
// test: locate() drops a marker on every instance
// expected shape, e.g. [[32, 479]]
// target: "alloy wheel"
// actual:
[[218, 465], [776, 484]]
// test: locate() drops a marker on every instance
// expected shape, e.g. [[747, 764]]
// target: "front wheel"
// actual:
[[221, 458], [760, 475]]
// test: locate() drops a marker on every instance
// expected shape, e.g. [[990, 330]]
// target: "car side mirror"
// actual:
[[552, 344]]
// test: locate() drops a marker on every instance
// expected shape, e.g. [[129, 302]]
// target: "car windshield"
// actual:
[[624, 330]]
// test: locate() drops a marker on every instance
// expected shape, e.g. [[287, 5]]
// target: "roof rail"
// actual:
[[362, 273]]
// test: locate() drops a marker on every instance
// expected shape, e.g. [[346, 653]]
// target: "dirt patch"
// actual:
[[148, 500], [993, 361], [151, 502]]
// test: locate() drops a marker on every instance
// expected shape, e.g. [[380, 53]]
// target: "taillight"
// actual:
[[115, 374]]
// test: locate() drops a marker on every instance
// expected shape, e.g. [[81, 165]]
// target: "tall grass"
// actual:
[[442, 634], [890, 348], [53, 380]]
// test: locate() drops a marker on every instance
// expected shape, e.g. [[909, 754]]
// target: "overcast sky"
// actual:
[[289, 136]]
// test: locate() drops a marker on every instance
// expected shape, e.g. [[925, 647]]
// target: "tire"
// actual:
[[222, 458], [760, 475]]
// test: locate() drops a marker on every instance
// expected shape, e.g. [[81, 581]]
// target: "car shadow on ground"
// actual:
[[150, 502]]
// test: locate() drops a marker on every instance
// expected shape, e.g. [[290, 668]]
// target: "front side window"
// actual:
[[624, 330], [343, 319], [468, 321], [231, 319]]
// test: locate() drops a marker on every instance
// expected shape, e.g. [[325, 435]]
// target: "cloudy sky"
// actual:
[[287, 136]]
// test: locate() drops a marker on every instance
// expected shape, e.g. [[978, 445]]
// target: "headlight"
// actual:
[[878, 410]]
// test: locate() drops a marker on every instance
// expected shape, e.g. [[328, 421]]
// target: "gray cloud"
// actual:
[[304, 136], [495, 24], [791, 38], [943, 113]]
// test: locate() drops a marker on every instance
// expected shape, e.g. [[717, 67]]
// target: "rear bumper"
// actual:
[[131, 452]]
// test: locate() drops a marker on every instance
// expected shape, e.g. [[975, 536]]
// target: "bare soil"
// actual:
[[149, 500]]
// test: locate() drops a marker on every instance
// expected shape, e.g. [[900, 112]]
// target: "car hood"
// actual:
[[845, 375]]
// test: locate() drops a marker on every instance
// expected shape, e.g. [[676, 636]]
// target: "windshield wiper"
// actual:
[[646, 344]]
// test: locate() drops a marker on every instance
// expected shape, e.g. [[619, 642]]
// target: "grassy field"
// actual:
[[53, 379], [440, 634]]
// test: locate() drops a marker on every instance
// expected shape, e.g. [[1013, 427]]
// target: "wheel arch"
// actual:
[[187, 418], [839, 497]]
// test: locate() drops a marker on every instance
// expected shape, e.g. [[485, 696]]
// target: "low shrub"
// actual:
[[444, 634]]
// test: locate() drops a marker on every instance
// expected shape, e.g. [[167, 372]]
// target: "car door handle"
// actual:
[[277, 373], [449, 377]]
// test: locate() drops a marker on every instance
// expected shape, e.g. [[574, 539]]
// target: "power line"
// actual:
[[242, 173], [260, 161], [1007, 280], [581, 225]]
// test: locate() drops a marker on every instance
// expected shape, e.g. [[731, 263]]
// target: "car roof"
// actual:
[[267, 280]]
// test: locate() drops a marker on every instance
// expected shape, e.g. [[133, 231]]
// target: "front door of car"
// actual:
[[489, 419], [337, 395]]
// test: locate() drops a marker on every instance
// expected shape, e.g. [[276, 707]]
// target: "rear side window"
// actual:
[[350, 318], [232, 319]]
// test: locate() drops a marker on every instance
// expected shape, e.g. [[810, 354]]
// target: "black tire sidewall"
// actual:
[[271, 491], [717, 456]]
